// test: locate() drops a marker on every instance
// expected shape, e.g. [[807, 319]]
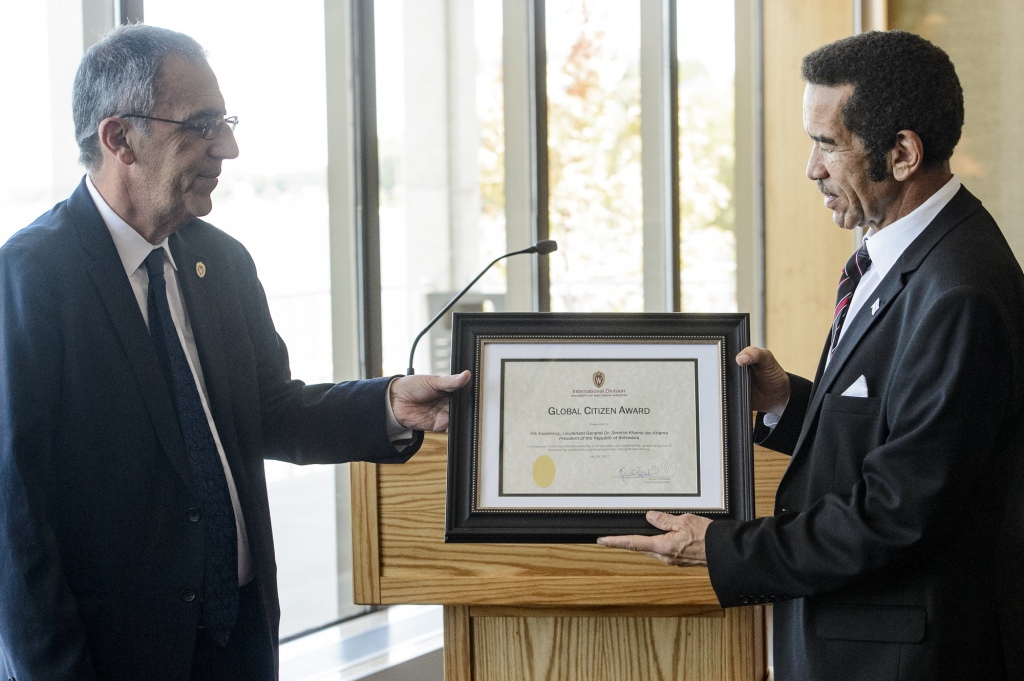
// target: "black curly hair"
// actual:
[[900, 82]]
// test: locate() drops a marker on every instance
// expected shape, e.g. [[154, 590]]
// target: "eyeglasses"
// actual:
[[208, 129]]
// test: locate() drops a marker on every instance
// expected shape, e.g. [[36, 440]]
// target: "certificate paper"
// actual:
[[576, 424], [599, 427], [589, 425]]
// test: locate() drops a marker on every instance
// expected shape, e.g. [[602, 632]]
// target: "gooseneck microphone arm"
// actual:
[[541, 248]]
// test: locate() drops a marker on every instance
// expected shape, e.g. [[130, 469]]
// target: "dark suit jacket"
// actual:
[[885, 555], [100, 556]]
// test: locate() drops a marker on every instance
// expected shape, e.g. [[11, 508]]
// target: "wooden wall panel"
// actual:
[[983, 40], [804, 249]]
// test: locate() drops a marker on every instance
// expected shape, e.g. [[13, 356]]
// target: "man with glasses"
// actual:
[[142, 384]]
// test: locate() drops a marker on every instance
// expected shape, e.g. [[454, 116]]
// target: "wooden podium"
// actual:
[[552, 612]]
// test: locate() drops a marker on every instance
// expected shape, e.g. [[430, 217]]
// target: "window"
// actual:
[[441, 157], [594, 155], [707, 155], [41, 167], [500, 123], [273, 198]]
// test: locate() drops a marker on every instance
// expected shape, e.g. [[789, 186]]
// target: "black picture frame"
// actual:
[[526, 360]]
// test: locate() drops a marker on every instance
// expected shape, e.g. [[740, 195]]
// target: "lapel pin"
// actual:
[[874, 305], [201, 270]]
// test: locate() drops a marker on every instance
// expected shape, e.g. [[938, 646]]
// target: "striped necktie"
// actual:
[[855, 268]]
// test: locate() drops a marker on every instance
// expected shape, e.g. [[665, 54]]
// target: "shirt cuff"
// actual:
[[400, 436]]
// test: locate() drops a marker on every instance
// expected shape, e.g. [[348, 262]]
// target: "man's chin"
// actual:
[[200, 206], [842, 220]]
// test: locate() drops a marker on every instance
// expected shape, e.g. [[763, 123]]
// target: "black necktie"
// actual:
[[220, 582], [855, 268]]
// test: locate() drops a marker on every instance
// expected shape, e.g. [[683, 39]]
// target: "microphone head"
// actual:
[[546, 246]]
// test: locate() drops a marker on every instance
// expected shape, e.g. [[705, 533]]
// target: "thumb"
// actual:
[[457, 381], [663, 521]]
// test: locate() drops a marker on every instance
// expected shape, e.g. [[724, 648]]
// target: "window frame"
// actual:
[[526, 192]]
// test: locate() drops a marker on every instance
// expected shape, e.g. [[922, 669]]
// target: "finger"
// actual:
[[457, 381], [746, 356], [449, 383], [628, 542], [667, 560], [664, 521], [751, 355]]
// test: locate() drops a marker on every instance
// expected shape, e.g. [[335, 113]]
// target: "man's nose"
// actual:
[[224, 144], [815, 167]]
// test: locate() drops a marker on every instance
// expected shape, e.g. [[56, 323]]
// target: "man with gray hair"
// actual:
[[142, 383]]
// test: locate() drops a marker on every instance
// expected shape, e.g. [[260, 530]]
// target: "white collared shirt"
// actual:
[[133, 249], [885, 246]]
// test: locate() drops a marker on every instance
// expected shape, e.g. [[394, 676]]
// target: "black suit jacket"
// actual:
[[886, 554], [101, 559]]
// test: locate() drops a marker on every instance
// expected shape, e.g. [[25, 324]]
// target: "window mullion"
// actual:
[[659, 140], [525, 150]]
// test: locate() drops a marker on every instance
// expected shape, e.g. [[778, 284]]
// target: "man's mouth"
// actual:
[[830, 197]]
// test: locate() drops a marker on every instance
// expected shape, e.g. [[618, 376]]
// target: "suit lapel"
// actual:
[[107, 273], [204, 279], [958, 209]]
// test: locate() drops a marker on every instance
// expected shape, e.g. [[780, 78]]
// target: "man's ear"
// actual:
[[907, 156], [113, 134]]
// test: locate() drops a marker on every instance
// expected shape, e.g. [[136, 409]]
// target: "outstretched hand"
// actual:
[[421, 402], [681, 545]]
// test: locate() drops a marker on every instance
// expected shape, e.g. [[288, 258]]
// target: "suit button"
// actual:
[[194, 515], [188, 595]]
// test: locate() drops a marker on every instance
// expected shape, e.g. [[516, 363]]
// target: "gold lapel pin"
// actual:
[[201, 269]]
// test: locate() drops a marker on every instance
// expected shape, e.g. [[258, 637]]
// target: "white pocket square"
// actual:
[[859, 388]]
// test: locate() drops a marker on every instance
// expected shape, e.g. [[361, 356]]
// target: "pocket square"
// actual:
[[858, 388]]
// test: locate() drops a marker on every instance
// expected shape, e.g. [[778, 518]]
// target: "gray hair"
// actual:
[[119, 75]]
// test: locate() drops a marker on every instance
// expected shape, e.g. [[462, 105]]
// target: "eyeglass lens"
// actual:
[[212, 128]]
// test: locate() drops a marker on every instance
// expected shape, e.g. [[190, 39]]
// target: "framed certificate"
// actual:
[[576, 424]]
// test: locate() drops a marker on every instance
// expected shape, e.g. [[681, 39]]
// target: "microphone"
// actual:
[[541, 248]]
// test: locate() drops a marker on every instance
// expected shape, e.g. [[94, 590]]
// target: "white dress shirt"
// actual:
[[885, 246], [133, 249]]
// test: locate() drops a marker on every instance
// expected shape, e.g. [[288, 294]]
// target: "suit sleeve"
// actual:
[[900, 477], [319, 423], [41, 633], [782, 438]]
